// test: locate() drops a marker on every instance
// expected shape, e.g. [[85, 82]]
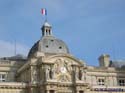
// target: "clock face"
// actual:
[[63, 69]]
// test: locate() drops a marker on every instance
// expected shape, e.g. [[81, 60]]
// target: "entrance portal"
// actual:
[[51, 91], [81, 91]]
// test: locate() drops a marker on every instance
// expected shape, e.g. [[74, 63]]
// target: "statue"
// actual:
[[51, 74], [80, 74], [77, 74], [47, 73]]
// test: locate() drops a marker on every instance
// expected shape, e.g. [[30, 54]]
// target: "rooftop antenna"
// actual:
[[15, 51], [114, 51]]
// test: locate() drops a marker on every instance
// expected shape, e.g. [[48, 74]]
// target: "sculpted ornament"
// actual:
[[49, 73], [79, 74], [62, 70], [64, 78], [34, 73]]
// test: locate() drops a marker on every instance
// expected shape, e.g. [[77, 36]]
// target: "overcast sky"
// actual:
[[89, 27]]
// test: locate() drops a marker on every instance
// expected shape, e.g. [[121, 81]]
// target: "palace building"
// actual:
[[50, 68]]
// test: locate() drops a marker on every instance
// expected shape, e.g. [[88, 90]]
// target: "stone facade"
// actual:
[[50, 68]]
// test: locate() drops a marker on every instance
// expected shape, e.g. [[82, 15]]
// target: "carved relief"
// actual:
[[64, 78], [62, 70]]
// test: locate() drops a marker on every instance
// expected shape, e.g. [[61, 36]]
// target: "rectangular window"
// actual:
[[121, 82], [101, 82], [2, 78]]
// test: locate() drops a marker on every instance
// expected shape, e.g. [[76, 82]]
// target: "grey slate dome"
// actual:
[[48, 44], [46, 24]]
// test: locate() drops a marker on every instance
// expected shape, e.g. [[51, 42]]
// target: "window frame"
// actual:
[[121, 82], [101, 82], [2, 77]]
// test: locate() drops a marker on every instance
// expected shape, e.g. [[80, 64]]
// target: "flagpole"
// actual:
[[15, 47], [45, 18], [45, 15]]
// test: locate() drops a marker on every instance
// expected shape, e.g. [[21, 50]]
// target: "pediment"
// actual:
[[64, 58], [63, 66]]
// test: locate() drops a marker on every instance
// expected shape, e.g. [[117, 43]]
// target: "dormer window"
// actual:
[[52, 40], [47, 46], [60, 47]]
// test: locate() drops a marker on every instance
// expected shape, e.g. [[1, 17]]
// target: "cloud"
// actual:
[[8, 49]]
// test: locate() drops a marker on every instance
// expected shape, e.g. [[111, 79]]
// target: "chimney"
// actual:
[[104, 60]]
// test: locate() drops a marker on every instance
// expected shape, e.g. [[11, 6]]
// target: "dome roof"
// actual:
[[49, 45], [46, 24]]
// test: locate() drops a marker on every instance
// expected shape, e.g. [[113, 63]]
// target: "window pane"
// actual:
[[101, 82], [3, 76], [3, 80], [121, 82]]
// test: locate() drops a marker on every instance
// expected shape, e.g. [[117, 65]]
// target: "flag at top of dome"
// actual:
[[44, 11]]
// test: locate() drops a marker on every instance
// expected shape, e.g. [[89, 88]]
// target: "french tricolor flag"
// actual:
[[44, 11]]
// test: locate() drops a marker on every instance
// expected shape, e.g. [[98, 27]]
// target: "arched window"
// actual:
[[46, 31], [49, 32]]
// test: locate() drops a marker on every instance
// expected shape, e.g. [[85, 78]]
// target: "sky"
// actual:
[[88, 27]]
